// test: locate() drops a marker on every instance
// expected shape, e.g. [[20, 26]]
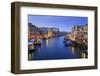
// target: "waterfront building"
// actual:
[[49, 32], [33, 31], [36, 32], [80, 33]]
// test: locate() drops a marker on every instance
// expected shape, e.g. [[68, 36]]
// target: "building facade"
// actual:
[[41, 32], [80, 33]]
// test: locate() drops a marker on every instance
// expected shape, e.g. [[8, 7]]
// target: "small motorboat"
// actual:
[[65, 40], [69, 43]]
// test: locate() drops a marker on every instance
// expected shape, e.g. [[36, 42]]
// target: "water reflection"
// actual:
[[54, 48], [76, 50], [73, 50], [30, 56], [83, 55], [47, 42]]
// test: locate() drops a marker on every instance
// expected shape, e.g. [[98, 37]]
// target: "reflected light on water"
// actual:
[[47, 41], [73, 50], [30, 56], [83, 55]]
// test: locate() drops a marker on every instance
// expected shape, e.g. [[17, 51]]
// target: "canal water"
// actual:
[[55, 48]]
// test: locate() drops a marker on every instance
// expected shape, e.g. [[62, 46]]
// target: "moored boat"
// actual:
[[31, 47], [69, 43], [37, 42]]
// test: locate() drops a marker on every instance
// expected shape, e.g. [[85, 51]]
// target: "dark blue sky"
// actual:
[[64, 23]]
